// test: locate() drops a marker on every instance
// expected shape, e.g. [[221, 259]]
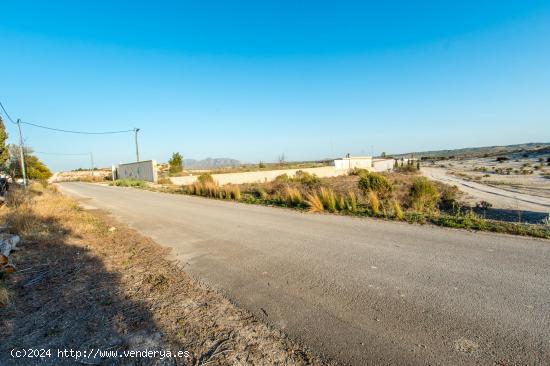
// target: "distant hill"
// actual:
[[210, 163], [486, 151]]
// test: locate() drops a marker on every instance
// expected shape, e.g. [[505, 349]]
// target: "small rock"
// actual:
[[112, 228]]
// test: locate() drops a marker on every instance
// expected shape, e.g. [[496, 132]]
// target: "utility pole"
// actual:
[[22, 155], [92, 162], [136, 130]]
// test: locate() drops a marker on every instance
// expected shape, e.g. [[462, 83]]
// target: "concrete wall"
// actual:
[[143, 170], [382, 165], [361, 162], [260, 176]]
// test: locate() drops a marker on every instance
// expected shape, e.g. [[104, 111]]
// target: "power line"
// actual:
[[64, 154], [76, 132], [62, 130], [7, 115]]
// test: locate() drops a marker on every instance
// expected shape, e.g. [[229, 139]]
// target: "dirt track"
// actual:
[[498, 197]]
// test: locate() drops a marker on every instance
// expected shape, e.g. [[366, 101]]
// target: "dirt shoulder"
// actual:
[[85, 282]]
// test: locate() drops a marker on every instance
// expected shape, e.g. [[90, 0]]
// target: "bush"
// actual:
[[424, 195], [176, 163], [449, 197], [358, 171], [374, 182], [407, 169], [283, 178], [306, 179], [205, 178], [129, 183]]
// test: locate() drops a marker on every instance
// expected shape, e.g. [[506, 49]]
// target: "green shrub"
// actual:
[[205, 178], [449, 197], [306, 179], [129, 183], [283, 178], [424, 195], [374, 182], [176, 163]]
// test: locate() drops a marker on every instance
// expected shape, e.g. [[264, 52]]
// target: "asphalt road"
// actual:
[[360, 291]]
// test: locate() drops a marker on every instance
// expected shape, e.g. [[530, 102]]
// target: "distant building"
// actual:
[[364, 162]]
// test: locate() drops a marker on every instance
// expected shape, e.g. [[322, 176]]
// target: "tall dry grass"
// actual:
[[314, 202], [352, 201], [232, 192], [397, 211], [293, 196], [374, 202], [328, 198]]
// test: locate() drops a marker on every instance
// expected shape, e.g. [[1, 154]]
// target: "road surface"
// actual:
[[498, 197], [359, 291]]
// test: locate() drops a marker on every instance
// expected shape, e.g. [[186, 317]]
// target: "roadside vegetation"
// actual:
[[403, 196], [129, 183]]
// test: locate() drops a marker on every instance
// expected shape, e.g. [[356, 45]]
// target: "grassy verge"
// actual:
[[85, 281], [129, 183], [393, 196]]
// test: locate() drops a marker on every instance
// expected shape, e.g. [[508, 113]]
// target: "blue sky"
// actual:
[[253, 79]]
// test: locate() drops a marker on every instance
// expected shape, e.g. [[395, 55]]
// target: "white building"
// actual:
[[352, 162], [364, 162]]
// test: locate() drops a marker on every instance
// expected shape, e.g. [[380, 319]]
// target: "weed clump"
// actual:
[[424, 195], [374, 182], [129, 183], [205, 178]]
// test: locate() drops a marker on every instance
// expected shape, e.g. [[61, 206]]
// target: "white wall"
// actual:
[[260, 176], [382, 165], [143, 170]]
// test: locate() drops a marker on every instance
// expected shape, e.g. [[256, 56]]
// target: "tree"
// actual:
[[176, 163], [4, 153], [35, 169]]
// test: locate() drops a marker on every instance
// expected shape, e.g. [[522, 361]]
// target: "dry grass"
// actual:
[[86, 281], [328, 198], [352, 201], [374, 202], [314, 202], [293, 196], [397, 211]]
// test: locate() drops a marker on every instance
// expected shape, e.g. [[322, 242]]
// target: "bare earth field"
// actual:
[[519, 196]]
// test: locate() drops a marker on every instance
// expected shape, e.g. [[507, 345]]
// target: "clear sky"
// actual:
[[253, 79]]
